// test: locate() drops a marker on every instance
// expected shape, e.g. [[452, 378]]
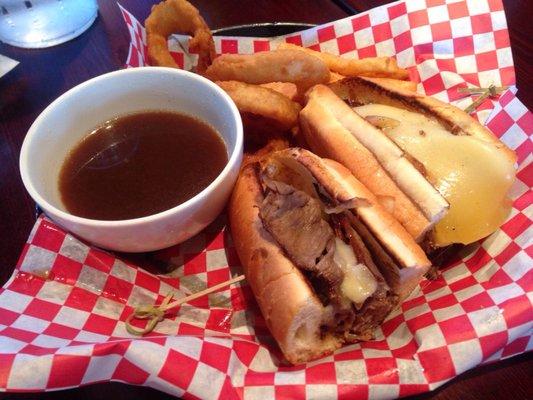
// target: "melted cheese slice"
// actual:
[[359, 283], [471, 174]]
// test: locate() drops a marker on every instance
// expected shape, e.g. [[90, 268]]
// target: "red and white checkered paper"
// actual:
[[62, 313]]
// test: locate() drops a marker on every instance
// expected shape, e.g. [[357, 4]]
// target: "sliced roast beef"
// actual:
[[386, 264], [372, 314], [368, 251], [296, 221], [347, 232]]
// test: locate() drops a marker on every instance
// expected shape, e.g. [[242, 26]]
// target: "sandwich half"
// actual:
[[325, 260], [444, 176]]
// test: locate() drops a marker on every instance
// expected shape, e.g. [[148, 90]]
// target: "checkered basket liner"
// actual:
[[62, 312]]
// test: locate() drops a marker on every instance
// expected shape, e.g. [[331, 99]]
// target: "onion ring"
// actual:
[[294, 66], [334, 77], [262, 109], [172, 16], [287, 89], [378, 67]]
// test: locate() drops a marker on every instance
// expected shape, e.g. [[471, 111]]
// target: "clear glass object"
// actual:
[[44, 23]]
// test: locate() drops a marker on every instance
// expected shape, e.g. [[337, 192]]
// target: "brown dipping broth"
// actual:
[[140, 164]]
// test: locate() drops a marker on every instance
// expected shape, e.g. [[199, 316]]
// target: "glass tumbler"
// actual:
[[44, 23]]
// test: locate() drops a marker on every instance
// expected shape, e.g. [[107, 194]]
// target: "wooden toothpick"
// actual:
[[484, 94], [156, 314]]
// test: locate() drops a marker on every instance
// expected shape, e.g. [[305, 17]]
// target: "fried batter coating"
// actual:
[[178, 16], [262, 109], [378, 67], [293, 66], [287, 89], [334, 77], [255, 151]]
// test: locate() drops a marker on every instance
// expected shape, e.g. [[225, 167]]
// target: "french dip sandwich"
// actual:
[[325, 260], [442, 175]]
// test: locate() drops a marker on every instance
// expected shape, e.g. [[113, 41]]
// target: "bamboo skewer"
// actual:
[[496, 90], [484, 94], [156, 314]]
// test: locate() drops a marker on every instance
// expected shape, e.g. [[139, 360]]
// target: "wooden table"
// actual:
[[45, 74]]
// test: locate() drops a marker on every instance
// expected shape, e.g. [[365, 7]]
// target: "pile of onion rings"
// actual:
[[266, 86]]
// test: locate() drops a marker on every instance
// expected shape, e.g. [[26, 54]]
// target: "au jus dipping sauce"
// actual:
[[140, 164]]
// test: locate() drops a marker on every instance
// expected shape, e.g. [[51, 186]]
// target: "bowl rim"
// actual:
[[233, 159]]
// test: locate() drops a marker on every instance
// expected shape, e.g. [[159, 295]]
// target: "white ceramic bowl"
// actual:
[[69, 118]]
